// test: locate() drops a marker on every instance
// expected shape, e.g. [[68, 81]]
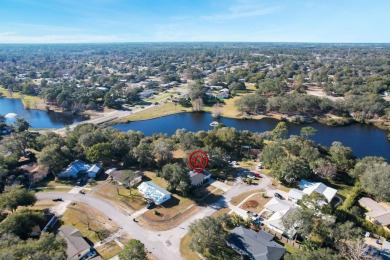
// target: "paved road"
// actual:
[[163, 244]]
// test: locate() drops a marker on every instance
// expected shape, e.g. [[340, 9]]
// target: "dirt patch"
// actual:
[[256, 203], [251, 204], [109, 250]]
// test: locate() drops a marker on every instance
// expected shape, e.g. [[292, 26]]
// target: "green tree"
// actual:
[[375, 181], [143, 154], [100, 152], [208, 236], [54, 157], [280, 131], [319, 254], [162, 150], [291, 169], [365, 163], [342, 156], [48, 246], [21, 125], [300, 220], [16, 196], [175, 174], [308, 131], [21, 223], [272, 154], [134, 249]]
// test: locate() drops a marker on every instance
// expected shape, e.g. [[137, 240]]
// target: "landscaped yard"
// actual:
[[92, 223]]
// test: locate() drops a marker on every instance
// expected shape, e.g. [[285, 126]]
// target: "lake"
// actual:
[[36, 118], [365, 140]]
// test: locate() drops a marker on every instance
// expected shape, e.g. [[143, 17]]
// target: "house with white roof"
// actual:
[[319, 187], [278, 209], [151, 191], [295, 195], [198, 179]]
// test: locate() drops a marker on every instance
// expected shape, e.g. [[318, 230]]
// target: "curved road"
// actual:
[[162, 244]]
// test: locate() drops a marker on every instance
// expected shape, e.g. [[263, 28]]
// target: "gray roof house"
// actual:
[[78, 167], [77, 247], [255, 245]]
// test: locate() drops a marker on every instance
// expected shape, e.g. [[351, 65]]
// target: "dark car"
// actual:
[[150, 205], [58, 199], [277, 195]]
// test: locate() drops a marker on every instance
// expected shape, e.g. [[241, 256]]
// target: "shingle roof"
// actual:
[[321, 188], [259, 246], [74, 239]]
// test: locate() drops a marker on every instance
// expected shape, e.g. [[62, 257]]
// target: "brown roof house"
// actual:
[[35, 172], [377, 213], [123, 178], [77, 247]]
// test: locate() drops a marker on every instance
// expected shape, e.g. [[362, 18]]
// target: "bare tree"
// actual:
[[355, 250], [217, 110], [197, 104]]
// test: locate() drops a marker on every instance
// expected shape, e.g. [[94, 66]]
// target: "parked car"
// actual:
[[90, 255], [150, 205], [257, 174], [277, 195], [250, 175], [259, 166], [58, 199]]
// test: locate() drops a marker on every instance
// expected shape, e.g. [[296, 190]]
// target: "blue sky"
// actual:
[[68, 21]]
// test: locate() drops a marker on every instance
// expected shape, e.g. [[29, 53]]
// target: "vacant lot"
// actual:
[[109, 250], [128, 200], [92, 223], [255, 203], [185, 250], [239, 198]]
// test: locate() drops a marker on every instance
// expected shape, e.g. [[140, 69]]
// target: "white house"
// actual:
[[318, 187], [278, 208], [198, 179], [295, 195], [151, 191]]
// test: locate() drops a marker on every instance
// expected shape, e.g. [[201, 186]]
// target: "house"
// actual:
[[377, 213], [77, 247], [277, 208], [123, 179], [151, 191], [319, 187], [295, 195], [255, 245], [35, 172], [79, 167], [198, 179]]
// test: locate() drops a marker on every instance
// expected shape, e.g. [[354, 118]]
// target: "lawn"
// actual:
[[120, 197], [239, 198], [109, 250], [92, 223], [33, 102], [185, 250], [43, 204], [220, 212], [154, 112]]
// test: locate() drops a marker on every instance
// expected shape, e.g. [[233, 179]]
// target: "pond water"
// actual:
[[36, 118], [365, 140]]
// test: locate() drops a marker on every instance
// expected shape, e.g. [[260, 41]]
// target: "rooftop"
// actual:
[[258, 245]]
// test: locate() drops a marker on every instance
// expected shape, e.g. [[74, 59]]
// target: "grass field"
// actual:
[[109, 250], [33, 102], [238, 199], [185, 250], [91, 222]]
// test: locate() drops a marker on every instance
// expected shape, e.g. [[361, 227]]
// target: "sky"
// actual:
[[95, 21]]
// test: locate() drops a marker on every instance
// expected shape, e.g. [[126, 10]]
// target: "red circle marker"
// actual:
[[198, 160]]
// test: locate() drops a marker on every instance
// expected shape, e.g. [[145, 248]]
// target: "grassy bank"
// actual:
[[33, 102]]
